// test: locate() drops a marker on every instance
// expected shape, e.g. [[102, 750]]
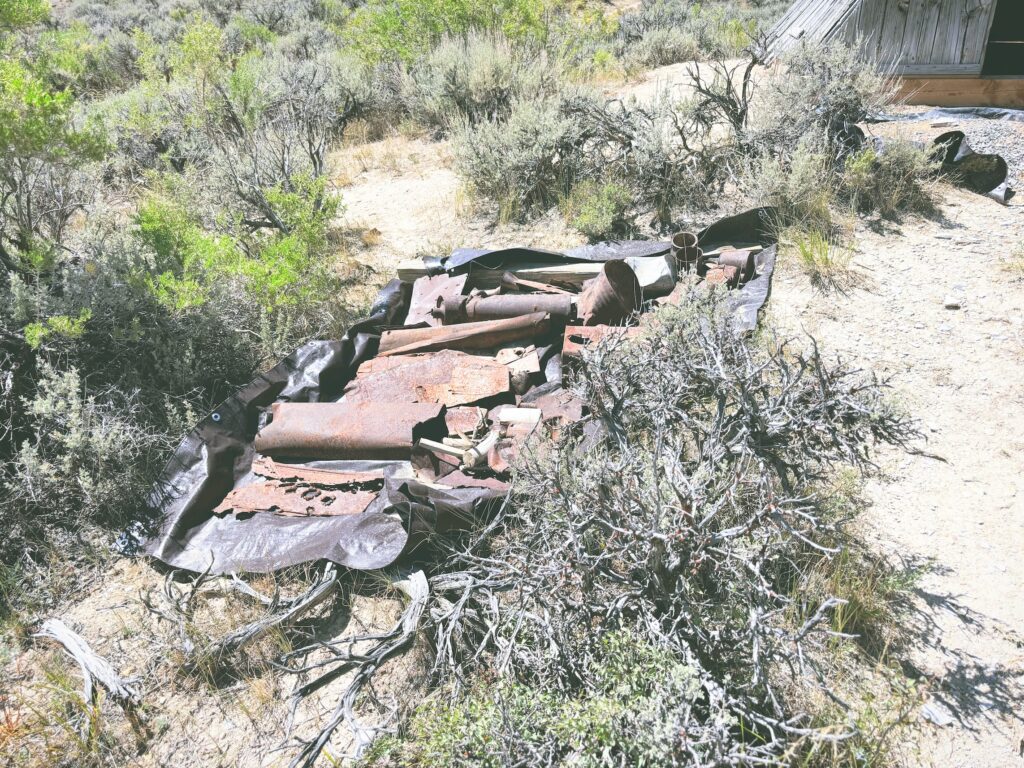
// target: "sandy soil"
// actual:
[[958, 507]]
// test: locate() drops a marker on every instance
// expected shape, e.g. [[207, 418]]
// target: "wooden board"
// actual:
[[963, 91]]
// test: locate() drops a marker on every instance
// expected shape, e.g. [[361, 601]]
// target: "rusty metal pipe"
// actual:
[[482, 335], [612, 296], [363, 430], [479, 308], [742, 260]]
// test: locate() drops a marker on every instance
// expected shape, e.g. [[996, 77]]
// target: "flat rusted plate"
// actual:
[[676, 297], [278, 470], [359, 430], [560, 405], [447, 377], [464, 419], [425, 293], [296, 500], [501, 457], [579, 337], [459, 479], [484, 335]]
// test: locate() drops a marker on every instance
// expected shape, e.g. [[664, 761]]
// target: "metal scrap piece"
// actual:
[[296, 500], [519, 359], [361, 430], [476, 308], [484, 335], [277, 470], [426, 291], [742, 260], [578, 337], [464, 420], [612, 296], [448, 377]]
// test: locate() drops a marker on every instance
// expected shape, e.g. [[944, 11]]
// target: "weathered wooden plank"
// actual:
[[925, 32], [979, 20], [894, 25], [964, 92], [949, 41], [940, 70]]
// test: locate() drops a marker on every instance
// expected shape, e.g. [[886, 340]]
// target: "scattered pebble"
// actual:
[[951, 302]]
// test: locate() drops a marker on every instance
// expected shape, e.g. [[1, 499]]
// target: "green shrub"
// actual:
[[819, 91], [86, 463], [474, 79], [405, 30], [526, 164], [660, 47], [894, 180], [634, 710], [599, 210], [802, 188]]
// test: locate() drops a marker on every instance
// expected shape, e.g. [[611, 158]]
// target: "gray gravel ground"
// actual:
[[1001, 137]]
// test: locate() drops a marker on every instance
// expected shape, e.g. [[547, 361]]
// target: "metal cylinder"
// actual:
[[612, 296], [479, 308], [742, 260], [685, 250]]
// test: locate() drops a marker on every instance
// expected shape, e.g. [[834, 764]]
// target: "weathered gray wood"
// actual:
[[979, 19], [94, 667], [949, 40]]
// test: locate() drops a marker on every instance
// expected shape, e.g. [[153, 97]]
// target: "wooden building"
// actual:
[[945, 52]]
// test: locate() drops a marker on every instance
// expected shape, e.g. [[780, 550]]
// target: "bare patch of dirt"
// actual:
[[938, 312]]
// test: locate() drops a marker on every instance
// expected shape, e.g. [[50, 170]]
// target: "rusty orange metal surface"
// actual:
[[448, 377], [479, 308], [484, 335], [264, 466], [363, 430], [612, 296], [296, 500], [578, 337], [427, 291], [742, 260]]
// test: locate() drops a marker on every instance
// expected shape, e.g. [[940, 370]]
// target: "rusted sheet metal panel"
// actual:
[[427, 291], [363, 430], [612, 296], [464, 419], [478, 308], [459, 479], [579, 337], [296, 500], [485, 335], [265, 466], [447, 377], [560, 407]]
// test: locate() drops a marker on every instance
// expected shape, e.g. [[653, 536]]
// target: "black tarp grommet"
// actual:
[[215, 417]]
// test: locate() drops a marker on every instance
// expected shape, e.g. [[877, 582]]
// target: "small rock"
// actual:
[[936, 713], [952, 302]]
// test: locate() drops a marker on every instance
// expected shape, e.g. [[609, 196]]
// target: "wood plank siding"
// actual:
[[912, 37]]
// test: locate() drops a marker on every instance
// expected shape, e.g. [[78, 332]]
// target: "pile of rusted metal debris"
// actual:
[[356, 450]]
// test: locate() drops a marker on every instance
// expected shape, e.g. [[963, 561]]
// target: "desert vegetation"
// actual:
[[168, 229]]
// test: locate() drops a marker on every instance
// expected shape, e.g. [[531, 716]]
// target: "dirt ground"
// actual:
[[957, 508]]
